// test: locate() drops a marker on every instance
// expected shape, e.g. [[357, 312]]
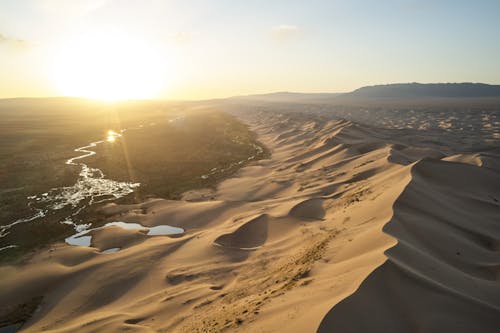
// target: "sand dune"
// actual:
[[250, 235], [346, 228], [443, 274]]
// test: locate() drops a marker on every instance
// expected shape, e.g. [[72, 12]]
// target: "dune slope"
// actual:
[[443, 275], [343, 222]]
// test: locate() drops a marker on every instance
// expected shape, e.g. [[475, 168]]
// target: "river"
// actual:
[[91, 187]]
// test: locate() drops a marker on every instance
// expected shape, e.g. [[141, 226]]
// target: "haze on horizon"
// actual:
[[124, 49]]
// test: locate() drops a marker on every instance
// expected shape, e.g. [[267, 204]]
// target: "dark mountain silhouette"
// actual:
[[419, 90], [397, 92]]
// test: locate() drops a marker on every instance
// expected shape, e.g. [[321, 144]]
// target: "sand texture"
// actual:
[[346, 228]]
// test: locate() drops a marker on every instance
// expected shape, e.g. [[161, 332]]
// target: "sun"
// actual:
[[110, 66]]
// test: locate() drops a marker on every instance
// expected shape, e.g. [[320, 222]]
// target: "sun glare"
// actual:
[[109, 66], [111, 137]]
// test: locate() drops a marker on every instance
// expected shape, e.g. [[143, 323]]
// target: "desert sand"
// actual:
[[345, 228]]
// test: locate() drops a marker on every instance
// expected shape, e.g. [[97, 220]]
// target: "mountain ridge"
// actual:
[[416, 90]]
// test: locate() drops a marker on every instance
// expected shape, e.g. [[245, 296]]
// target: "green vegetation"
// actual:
[[172, 156], [168, 147]]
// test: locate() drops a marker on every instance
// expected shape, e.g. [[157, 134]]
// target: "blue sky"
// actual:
[[217, 48]]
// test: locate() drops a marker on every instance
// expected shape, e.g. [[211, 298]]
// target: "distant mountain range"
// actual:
[[377, 94], [419, 90], [399, 94], [398, 91]]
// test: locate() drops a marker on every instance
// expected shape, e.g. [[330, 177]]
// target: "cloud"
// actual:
[[285, 31]]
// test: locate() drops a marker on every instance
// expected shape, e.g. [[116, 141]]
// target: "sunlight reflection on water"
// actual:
[[112, 135], [91, 187], [83, 238]]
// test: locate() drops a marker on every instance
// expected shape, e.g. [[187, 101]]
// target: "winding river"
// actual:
[[91, 187]]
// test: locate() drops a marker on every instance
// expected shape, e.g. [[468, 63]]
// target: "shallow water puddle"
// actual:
[[164, 230], [91, 187], [113, 249], [83, 239]]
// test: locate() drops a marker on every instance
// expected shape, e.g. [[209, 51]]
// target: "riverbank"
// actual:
[[166, 150]]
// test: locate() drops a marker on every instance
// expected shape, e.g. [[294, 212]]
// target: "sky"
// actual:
[[196, 49]]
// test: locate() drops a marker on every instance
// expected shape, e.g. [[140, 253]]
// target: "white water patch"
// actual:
[[7, 247], [164, 230], [79, 239], [38, 213], [114, 249], [91, 187], [83, 238], [84, 150]]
